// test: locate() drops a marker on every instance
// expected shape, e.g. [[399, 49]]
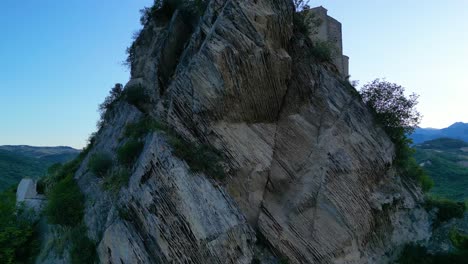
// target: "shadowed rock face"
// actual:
[[308, 170]]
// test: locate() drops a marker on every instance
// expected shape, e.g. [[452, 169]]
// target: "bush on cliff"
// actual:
[[18, 236], [304, 21], [190, 9], [143, 127], [323, 51], [199, 157], [136, 95], [100, 164], [398, 116], [83, 249], [106, 107], [129, 152], [65, 203]]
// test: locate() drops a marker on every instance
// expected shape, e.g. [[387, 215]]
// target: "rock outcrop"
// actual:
[[309, 173]]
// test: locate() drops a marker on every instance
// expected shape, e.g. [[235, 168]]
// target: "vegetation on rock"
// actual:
[[446, 209], [143, 127], [65, 203], [116, 180], [398, 116], [18, 234], [83, 249], [129, 152], [136, 95], [199, 157], [106, 107], [65, 207], [100, 164], [190, 10]]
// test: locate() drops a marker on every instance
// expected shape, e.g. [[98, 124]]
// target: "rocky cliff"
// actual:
[[308, 173]]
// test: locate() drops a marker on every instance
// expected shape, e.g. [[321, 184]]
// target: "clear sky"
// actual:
[[58, 59]]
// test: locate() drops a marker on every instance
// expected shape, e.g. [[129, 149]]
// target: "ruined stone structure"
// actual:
[[329, 30], [26, 194]]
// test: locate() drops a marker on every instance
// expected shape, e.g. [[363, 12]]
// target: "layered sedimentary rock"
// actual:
[[309, 173]]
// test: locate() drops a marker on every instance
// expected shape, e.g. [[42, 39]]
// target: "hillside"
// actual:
[[17, 162], [457, 130], [446, 161]]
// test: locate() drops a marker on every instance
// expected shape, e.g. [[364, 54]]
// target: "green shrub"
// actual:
[[136, 95], [100, 164], [117, 180], [143, 127], [398, 116], [323, 50], [106, 107], [18, 235], [129, 152], [65, 203], [83, 249], [58, 172], [460, 241], [199, 157], [447, 209]]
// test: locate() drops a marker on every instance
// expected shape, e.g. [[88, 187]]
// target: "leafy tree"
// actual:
[[108, 104], [394, 110], [305, 22], [399, 117], [114, 94]]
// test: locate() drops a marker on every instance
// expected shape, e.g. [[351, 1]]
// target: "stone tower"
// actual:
[[329, 30]]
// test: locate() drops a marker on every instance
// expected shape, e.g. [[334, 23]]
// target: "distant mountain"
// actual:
[[458, 130], [446, 161], [17, 162]]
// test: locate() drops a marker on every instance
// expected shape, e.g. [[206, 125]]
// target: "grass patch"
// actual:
[[100, 164], [143, 127], [129, 152], [117, 180], [199, 157]]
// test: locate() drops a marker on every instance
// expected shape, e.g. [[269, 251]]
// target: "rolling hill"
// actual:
[[446, 161], [17, 162], [457, 130]]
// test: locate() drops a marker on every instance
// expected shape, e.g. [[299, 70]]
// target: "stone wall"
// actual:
[[26, 194], [330, 30]]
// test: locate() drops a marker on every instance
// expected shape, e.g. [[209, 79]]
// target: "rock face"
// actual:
[[309, 173]]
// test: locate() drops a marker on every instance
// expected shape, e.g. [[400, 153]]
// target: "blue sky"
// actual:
[[60, 58]]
